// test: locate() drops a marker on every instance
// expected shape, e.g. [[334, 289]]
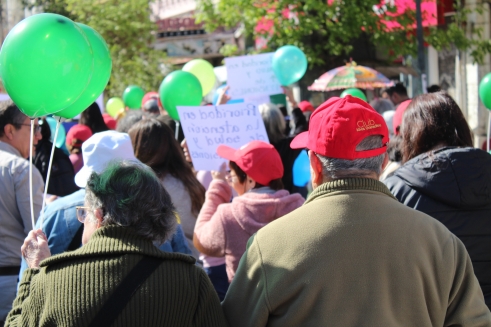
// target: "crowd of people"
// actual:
[[393, 229]]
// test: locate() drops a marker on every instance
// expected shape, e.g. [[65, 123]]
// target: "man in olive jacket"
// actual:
[[352, 255]]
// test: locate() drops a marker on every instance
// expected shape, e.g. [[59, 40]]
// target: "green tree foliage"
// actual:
[[327, 28], [129, 33]]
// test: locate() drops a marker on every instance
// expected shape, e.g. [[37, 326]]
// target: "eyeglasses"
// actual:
[[37, 128], [82, 213]]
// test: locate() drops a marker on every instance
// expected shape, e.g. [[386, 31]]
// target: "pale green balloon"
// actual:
[[203, 70]]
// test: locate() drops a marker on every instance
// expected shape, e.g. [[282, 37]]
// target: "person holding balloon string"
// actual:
[[15, 216]]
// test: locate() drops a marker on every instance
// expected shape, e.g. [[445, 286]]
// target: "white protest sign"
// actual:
[[251, 75], [258, 99], [205, 128]]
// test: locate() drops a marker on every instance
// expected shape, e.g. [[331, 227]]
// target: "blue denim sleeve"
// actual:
[[178, 243]]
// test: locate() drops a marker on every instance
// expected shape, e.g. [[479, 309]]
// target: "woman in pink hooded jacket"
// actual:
[[223, 227]]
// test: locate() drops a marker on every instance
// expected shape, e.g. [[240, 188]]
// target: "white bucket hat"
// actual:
[[102, 148]]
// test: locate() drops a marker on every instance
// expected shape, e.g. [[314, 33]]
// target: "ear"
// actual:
[[8, 131], [250, 183], [99, 217], [315, 169]]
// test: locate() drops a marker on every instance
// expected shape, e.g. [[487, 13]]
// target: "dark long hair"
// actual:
[[433, 119], [155, 146], [92, 118]]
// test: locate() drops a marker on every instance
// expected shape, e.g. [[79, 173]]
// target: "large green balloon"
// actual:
[[203, 70], [485, 91], [355, 93], [133, 96], [100, 75], [46, 63], [179, 89], [114, 106]]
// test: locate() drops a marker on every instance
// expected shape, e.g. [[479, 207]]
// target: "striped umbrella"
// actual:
[[350, 76]]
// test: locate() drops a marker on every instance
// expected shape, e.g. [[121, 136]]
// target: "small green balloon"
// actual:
[[355, 93], [203, 70], [100, 74], [485, 91], [179, 89], [46, 63], [133, 96], [114, 106]]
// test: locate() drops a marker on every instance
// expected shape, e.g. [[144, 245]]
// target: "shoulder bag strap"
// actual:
[[125, 291]]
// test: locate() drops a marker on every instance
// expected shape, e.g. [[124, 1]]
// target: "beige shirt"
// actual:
[[15, 210], [182, 202]]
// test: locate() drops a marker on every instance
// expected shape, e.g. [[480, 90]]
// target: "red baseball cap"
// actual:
[[151, 95], [338, 125], [79, 132], [397, 119], [258, 159], [110, 121], [305, 106]]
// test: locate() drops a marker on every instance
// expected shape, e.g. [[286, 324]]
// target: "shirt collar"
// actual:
[[10, 149], [347, 184]]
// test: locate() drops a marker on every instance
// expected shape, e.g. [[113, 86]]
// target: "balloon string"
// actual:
[[41, 217], [177, 130], [489, 130], [30, 174]]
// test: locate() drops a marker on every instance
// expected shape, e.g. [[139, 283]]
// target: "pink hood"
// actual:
[[253, 211], [223, 227]]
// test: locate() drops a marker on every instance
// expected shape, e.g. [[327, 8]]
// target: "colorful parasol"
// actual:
[[349, 76]]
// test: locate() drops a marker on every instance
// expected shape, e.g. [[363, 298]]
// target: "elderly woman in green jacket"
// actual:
[[118, 277]]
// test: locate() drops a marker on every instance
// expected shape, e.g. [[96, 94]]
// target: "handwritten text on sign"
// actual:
[[251, 75], [205, 128]]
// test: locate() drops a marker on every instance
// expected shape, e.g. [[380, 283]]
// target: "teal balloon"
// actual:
[[133, 96], [355, 93], [46, 63], [485, 91], [61, 137], [179, 88], [289, 64], [100, 74]]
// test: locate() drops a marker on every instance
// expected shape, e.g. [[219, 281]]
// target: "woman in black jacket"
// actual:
[[445, 177]]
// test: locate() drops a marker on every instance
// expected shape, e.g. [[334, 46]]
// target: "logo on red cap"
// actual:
[[364, 126], [332, 127]]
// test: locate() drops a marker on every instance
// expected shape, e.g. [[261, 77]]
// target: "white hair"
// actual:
[[274, 122], [334, 168]]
